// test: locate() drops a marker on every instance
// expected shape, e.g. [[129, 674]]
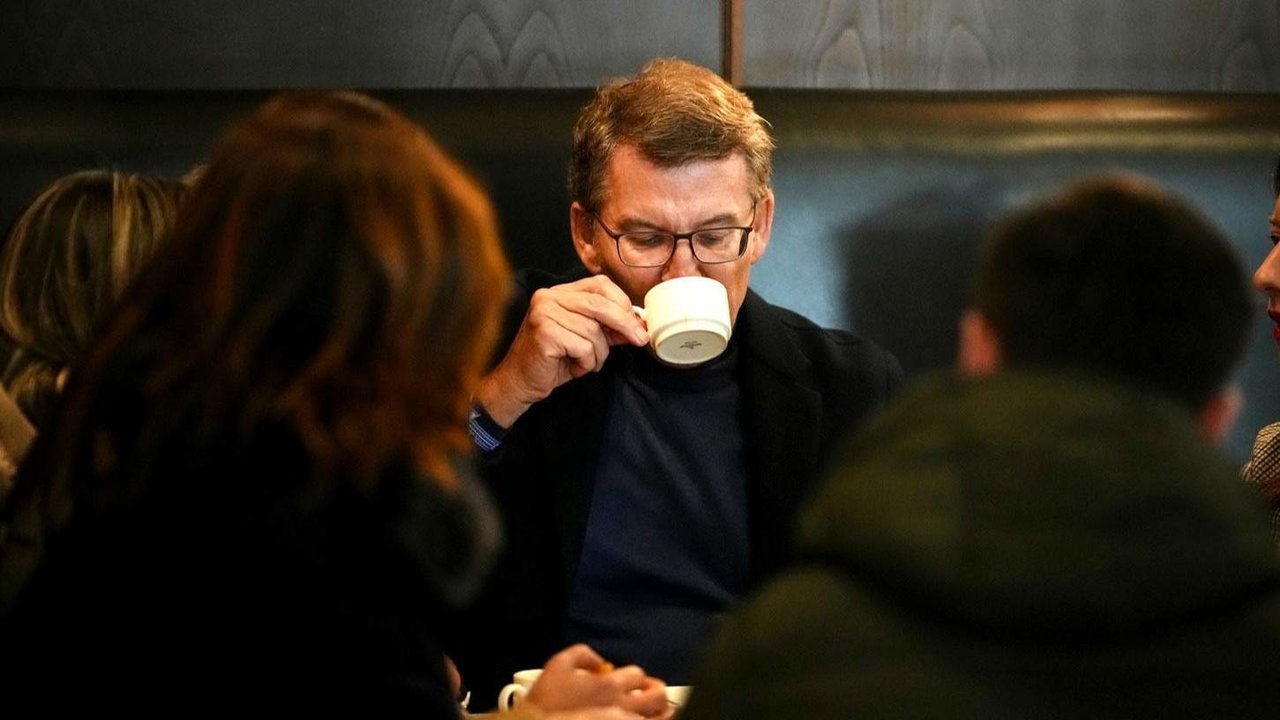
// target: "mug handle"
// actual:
[[510, 695]]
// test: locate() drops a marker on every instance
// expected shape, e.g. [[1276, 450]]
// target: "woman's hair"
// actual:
[[64, 265], [334, 274]]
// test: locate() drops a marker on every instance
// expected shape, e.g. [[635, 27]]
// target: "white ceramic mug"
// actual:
[[515, 691], [688, 319], [678, 695]]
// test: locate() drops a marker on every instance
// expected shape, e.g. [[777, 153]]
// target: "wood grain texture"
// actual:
[[1147, 45], [159, 44], [731, 41]]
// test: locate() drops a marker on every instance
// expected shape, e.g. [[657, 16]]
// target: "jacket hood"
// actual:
[[1042, 501]]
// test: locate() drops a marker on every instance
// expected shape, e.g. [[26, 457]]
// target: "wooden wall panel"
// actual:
[[372, 43], [1150, 45]]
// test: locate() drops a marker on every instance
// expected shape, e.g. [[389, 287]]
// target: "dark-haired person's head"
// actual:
[[1118, 278], [333, 273], [65, 263]]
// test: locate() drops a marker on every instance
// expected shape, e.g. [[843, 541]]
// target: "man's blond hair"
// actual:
[[673, 112]]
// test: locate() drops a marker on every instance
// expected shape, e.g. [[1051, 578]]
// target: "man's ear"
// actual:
[[980, 352], [764, 228], [580, 226], [1218, 416]]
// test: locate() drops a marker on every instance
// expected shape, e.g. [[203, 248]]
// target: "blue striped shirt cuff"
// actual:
[[485, 433]]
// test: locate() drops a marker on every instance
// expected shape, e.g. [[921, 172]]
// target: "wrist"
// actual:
[[497, 402]]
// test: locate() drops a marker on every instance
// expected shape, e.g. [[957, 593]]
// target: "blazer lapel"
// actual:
[[574, 428], [782, 429]]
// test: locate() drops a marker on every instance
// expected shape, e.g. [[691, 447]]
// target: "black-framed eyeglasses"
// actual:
[[710, 246]]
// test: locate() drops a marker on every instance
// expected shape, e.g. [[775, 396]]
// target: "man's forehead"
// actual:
[[630, 153], [631, 177]]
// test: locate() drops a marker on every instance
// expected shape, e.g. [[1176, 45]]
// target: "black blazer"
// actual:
[[803, 387]]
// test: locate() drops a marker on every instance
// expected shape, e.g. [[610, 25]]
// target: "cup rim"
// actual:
[[685, 280], [526, 677]]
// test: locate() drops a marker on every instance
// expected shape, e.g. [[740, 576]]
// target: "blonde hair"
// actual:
[[674, 113], [66, 262]]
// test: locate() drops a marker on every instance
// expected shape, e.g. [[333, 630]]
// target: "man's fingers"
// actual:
[[583, 355], [602, 285], [566, 334], [619, 317], [600, 298], [590, 316], [560, 334], [583, 339]]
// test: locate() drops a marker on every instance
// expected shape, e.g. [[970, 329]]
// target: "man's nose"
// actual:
[[682, 262]]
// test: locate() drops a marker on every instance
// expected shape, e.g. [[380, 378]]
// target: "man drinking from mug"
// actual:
[[641, 499]]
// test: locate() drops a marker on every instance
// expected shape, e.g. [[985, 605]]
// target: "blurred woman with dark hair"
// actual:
[[255, 491], [65, 263], [1263, 468]]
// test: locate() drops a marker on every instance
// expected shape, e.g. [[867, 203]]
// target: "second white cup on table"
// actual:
[[514, 692]]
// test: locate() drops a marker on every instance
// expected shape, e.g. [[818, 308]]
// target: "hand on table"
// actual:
[[577, 684]]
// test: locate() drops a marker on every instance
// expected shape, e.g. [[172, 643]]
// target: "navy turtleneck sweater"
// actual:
[[666, 546]]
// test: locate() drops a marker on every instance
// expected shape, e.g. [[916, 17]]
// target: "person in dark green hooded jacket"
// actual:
[[1052, 531]]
